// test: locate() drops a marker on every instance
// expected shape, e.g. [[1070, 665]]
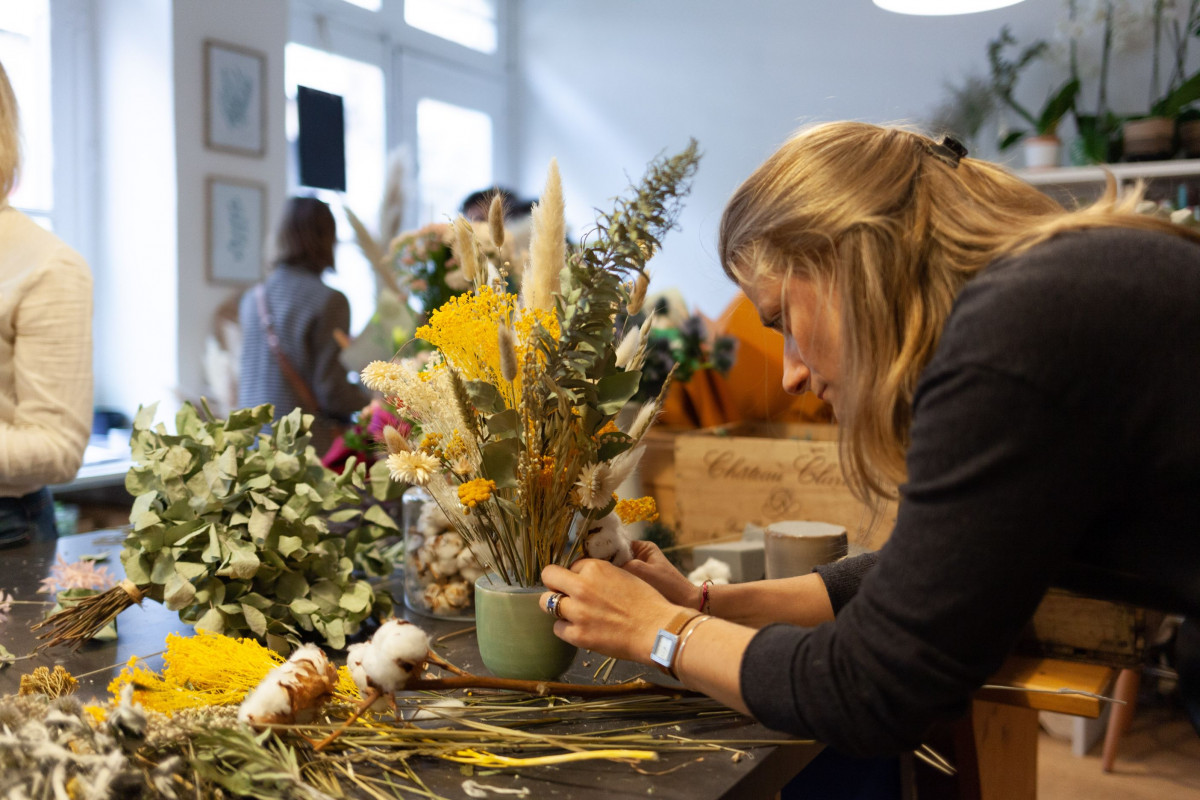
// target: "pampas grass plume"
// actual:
[[464, 248], [496, 220], [548, 250]]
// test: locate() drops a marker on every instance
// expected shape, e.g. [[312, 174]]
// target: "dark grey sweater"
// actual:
[[1055, 442]]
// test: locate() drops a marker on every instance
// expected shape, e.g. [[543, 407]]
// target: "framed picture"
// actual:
[[236, 220], [235, 109]]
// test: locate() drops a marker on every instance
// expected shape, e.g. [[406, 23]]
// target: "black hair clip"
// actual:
[[949, 150]]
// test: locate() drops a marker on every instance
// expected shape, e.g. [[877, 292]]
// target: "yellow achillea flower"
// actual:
[[545, 472], [472, 493], [464, 330], [431, 443], [456, 448], [609, 427], [643, 509], [202, 670]]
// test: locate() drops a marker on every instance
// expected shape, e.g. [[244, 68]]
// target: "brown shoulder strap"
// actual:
[[301, 388]]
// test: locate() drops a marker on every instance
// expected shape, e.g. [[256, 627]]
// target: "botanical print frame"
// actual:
[[236, 219], [235, 106]]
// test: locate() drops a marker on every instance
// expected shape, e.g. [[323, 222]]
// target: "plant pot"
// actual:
[[516, 637], [1189, 138], [1041, 152], [1149, 139]]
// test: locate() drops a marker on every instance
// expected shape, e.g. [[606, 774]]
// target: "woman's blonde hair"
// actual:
[[10, 136], [896, 224]]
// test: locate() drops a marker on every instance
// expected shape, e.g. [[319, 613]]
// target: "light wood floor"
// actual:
[[1158, 759]]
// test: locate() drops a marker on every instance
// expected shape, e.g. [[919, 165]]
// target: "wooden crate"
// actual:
[[657, 471], [762, 473], [1078, 628]]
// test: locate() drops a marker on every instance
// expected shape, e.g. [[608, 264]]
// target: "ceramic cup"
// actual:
[[516, 637], [794, 547]]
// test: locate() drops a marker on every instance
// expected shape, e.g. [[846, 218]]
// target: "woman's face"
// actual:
[[811, 326]]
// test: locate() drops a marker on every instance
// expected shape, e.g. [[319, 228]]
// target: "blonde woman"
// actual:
[[45, 355], [1030, 377]]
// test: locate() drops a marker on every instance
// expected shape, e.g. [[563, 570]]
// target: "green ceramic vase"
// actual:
[[516, 637]]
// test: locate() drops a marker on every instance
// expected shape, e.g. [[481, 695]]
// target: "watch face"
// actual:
[[664, 648]]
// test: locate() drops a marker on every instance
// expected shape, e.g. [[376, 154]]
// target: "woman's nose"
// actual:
[[795, 373]]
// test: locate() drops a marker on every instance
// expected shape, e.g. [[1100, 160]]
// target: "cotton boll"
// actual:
[[609, 542], [354, 663], [447, 545], [457, 593], [293, 691], [468, 566], [395, 653], [432, 520], [713, 570]]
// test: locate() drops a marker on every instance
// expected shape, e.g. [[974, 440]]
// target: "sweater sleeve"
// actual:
[[1002, 483], [842, 577], [52, 367]]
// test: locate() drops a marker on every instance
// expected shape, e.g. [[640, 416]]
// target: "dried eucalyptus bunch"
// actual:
[[238, 527]]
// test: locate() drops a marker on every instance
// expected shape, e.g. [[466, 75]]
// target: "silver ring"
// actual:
[[552, 606]]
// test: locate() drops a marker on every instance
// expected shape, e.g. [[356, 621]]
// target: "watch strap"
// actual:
[[666, 643]]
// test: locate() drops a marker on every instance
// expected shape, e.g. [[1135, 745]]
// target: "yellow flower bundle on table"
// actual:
[[524, 425]]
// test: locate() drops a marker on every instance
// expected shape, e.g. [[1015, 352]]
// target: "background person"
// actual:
[[299, 366], [1026, 375], [45, 355]]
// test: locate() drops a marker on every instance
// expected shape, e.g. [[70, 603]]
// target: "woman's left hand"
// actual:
[[606, 609]]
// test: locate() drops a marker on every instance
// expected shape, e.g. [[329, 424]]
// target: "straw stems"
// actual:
[[542, 688], [77, 624], [366, 703]]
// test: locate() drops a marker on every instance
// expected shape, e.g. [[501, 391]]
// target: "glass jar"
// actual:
[[439, 568]]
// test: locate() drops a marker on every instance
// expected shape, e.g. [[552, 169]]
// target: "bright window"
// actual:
[[454, 150], [25, 53], [361, 88], [471, 23]]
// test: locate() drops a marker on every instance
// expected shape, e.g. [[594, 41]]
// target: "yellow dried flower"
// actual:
[[431, 443], [642, 509], [464, 330], [202, 670], [609, 427], [52, 684], [456, 448], [474, 492]]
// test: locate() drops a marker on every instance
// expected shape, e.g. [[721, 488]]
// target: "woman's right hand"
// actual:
[[649, 564]]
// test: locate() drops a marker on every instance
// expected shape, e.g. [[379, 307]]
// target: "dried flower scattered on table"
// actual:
[[76, 575]]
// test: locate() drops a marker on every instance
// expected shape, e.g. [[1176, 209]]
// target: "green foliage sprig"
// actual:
[[243, 531]]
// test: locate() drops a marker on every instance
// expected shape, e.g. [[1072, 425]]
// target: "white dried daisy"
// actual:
[[381, 375], [413, 467], [591, 483]]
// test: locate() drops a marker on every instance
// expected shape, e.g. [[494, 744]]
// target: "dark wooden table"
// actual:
[[142, 630]]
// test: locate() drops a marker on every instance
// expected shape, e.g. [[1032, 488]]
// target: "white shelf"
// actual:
[[1062, 176]]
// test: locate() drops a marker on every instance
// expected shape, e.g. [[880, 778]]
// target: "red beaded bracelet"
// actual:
[[704, 596]]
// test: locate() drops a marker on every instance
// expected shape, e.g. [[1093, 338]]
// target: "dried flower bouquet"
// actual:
[[524, 423]]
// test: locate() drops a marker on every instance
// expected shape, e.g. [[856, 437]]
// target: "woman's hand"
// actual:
[[606, 609], [652, 566]]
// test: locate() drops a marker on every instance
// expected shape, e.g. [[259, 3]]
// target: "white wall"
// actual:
[[605, 86], [154, 304], [260, 25], [134, 261]]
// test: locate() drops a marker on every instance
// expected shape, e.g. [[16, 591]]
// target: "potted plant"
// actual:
[[967, 107], [516, 428], [1041, 142], [1153, 136]]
